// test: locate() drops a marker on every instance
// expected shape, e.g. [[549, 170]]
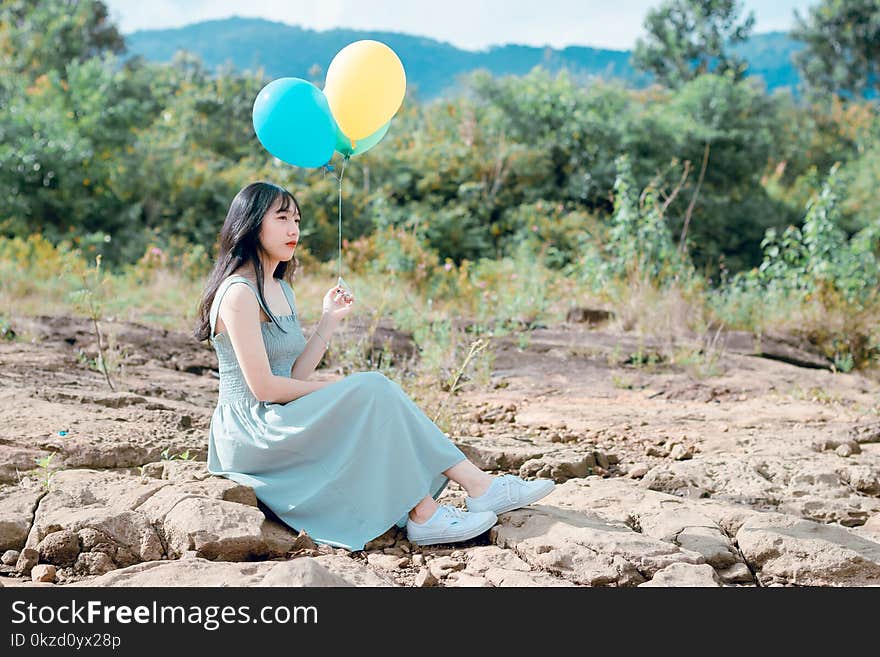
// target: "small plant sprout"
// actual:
[[89, 299], [44, 469]]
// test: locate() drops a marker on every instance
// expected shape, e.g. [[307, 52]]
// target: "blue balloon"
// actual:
[[293, 122]]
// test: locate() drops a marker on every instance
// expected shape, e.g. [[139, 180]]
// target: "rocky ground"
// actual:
[[756, 466]]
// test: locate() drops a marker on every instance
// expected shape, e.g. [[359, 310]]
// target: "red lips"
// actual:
[[291, 244]]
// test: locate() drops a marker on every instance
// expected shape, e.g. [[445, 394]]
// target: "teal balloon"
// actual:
[[293, 122], [343, 143]]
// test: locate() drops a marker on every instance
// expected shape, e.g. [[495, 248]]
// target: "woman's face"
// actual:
[[279, 232]]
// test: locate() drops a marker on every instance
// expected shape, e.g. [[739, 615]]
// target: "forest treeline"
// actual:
[[704, 175]]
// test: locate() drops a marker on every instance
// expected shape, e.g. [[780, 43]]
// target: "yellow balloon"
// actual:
[[365, 87]]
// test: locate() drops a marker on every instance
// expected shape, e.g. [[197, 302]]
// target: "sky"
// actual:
[[469, 24]]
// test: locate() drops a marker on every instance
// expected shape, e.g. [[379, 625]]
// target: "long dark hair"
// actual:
[[240, 244]]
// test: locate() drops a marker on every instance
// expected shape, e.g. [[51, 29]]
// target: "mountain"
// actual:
[[431, 66], [769, 56]]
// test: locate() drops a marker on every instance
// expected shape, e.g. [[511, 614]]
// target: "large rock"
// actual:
[[500, 452], [353, 571], [849, 512], [466, 580], [720, 477], [141, 518], [16, 459], [114, 444], [625, 500], [791, 551], [560, 467], [60, 548], [697, 525], [132, 537], [862, 478], [813, 487], [214, 528], [689, 529], [193, 477], [302, 572], [818, 488], [872, 527], [584, 548], [104, 501], [17, 504], [699, 529], [93, 563], [782, 347], [866, 433], [503, 568], [328, 570], [685, 574], [27, 560]]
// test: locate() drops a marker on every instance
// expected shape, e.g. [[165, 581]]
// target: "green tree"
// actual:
[[686, 38], [842, 53], [733, 129], [65, 141], [70, 110], [38, 36], [639, 241], [557, 138]]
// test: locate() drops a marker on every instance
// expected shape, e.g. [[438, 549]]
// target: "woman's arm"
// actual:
[[314, 350], [283, 389], [240, 312], [337, 304]]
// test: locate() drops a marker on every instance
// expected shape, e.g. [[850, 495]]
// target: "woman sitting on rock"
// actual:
[[343, 460]]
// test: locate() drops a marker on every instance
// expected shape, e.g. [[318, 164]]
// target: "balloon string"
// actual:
[[341, 174]]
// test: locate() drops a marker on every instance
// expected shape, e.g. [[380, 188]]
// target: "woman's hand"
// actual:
[[337, 303]]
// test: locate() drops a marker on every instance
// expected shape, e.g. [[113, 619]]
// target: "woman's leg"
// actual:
[[470, 477], [464, 473], [423, 511]]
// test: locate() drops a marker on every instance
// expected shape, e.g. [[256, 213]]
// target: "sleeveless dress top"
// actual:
[[344, 463]]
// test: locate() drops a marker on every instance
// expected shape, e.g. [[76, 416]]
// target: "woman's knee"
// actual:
[[373, 378]]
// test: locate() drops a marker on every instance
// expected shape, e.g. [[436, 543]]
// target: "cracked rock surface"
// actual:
[[765, 474]]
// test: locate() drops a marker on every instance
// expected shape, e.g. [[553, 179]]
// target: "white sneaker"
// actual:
[[508, 492], [449, 525]]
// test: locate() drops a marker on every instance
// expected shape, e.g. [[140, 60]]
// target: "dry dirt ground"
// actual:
[[755, 466]]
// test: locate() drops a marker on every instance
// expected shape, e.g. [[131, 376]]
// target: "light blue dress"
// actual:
[[344, 463]]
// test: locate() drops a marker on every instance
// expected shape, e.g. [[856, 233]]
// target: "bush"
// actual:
[[815, 281]]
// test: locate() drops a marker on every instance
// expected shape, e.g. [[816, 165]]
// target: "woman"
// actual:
[[342, 460]]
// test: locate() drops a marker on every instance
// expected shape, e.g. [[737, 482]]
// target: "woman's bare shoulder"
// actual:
[[233, 290], [241, 273], [235, 297]]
